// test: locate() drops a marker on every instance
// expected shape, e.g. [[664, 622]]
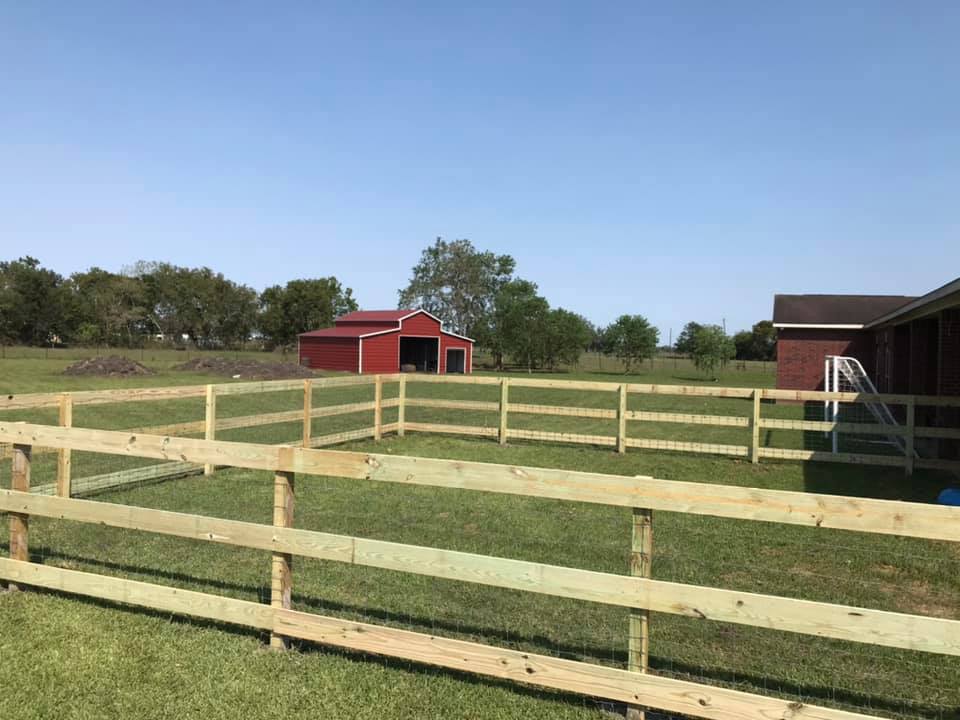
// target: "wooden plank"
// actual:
[[562, 437], [914, 632], [20, 521], [679, 696], [909, 454], [688, 419], [755, 429], [563, 410], [281, 585], [377, 408], [455, 404], [64, 459], [307, 417], [474, 430], [824, 456], [828, 426], [690, 390], [849, 397], [504, 410], [119, 478], [210, 422], [693, 447], [622, 419], [453, 379], [675, 696], [101, 397], [340, 437], [641, 558], [141, 594], [402, 405], [799, 508]]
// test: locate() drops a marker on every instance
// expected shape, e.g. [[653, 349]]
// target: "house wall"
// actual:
[[329, 353], [801, 353]]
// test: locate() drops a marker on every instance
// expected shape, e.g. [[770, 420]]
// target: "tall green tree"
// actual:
[[516, 326], [300, 306], [631, 339], [33, 303], [685, 340], [107, 308], [712, 347], [758, 343], [568, 335], [457, 283]]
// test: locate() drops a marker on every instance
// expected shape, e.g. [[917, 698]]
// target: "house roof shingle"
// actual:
[[826, 310]]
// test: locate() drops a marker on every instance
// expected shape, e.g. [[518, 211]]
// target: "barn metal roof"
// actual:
[[354, 330], [836, 311], [363, 323], [374, 316]]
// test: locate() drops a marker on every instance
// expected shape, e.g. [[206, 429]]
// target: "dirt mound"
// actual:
[[110, 366], [249, 369]]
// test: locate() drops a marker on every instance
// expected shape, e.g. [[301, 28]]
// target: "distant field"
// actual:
[[86, 659]]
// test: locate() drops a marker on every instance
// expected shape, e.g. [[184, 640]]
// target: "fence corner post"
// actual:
[[20, 522], [64, 459], [402, 405], [641, 556], [909, 450], [307, 412], [504, 405], [281, 576], [755, 428], [210, 422], [377, 407], [622, 419]]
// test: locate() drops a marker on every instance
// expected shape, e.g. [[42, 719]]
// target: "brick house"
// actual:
[[906, 344]]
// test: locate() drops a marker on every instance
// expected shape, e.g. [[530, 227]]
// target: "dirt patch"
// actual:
[[246, 368], [110, 366]]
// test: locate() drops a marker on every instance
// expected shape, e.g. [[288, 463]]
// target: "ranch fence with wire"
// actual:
[[741, 578]]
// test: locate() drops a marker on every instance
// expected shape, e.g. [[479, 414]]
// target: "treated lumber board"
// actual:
[[849, 397], [401, 405], [210, 422], [688, 419], [638, 638], [281, 576], [695, 447], [691, 390], [377, 408], [823, 426], [454, 404], [675, 696], [452, 429], [913, 632], [148, 595], [563, 410], [19, 521], [307, 422], [147, 473], [755, 429], [622, 419], [504, 411], [564, 384], [335, 438], [101, 397], [64, 457], [799, 508], [825, 456], [563, 437], [669, 694], [453, 379]]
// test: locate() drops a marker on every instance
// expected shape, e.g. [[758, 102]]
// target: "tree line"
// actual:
[[156, 302]]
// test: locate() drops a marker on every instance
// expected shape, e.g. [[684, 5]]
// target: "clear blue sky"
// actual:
[[680, 160]]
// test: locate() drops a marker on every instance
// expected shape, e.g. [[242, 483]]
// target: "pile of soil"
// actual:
[[246, 368], [110, 366]]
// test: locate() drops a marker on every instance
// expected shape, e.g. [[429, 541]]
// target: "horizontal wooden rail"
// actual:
[[843, 427], [679, 696], [911, 632], [694, 447], [827, 456], [563, 410], [889, 517], [452, 404], [562, 437], [687, 419], [474, 430], [851, 397]]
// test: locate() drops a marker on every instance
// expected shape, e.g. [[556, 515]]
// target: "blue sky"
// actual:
[[680, 160]]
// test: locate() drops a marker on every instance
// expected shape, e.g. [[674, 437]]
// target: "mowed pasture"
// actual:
[[87, 659]]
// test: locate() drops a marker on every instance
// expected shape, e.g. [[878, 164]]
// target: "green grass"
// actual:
[[86, 659]]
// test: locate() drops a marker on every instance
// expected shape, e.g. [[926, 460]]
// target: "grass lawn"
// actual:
[[86, 659]]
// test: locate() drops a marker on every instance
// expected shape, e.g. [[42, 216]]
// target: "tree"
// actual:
[[300, 306], [685, 340], [516, 326], [631, 338], [743, 343], [457, 283], [568, 335], [107, 308], [759, 343], [711, 348], [33, 303]]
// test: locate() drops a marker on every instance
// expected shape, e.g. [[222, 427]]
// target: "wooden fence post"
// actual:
[[281, 581], [402, 406], [377, 407], [910, 437], [504, 401], [64, 459], [210, 422], [622, 420], [755, 429], [641, 555], [20, 523], [307, 412]]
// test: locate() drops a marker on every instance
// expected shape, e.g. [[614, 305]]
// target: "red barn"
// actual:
[[384, 341]]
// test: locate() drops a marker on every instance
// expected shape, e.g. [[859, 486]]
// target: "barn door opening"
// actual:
[[456, 360], [420, 354]]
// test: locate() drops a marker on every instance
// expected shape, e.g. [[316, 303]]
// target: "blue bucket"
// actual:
[[950, 496]]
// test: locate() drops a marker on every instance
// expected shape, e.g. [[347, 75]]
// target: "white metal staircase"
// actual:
[[846, 374]]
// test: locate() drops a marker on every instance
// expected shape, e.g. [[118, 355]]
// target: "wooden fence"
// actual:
[[635, 686], [622, 419]]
